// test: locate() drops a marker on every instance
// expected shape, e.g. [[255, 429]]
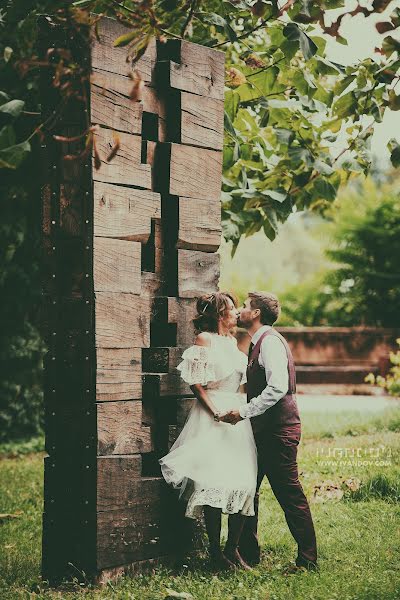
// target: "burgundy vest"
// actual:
[[285, 411]]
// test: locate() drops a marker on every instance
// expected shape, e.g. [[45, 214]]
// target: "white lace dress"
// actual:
[[214, 463]]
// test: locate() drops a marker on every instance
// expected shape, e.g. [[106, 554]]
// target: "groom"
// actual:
[[272, 408]]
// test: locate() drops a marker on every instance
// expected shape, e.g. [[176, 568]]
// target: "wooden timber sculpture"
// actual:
[[127, 248]]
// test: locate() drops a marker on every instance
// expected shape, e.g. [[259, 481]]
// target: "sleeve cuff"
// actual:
[[243, 412]]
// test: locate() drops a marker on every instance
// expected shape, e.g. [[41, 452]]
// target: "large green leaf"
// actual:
[[13, 108], [285, 136], [126, 38], [4, 97], [294, 33], [322, 188], [212, 19], [394, 101], [299, 155], [12, 157], [345, 106], [259, 84], [390, 45], [277, 195], [229, 128], [231, 104]]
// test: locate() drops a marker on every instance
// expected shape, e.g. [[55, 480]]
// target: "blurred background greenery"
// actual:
[[338, 270]]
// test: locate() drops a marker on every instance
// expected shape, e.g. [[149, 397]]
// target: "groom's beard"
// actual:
[[244, 325]]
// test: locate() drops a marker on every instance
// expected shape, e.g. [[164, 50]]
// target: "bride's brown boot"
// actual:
[[219, 562], [231, 553], [212, 517]]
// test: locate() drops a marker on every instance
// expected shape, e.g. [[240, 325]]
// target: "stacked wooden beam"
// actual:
[[128, 246]]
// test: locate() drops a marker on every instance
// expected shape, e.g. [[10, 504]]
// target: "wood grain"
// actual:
[[111, 104], [154, 102], [120, 429], [199, 224], [131, 534], [114, 59], [124, 213], [153, 284], [118, 482], [118, 374], [198, 273], [116, 265], [195, 172], [126, 167], [202, 121], [122, 320], [196, 69]]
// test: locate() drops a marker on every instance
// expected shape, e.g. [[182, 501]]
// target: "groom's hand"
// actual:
[[232, 417]]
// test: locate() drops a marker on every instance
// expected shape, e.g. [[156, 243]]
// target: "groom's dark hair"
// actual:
[[268, 304]]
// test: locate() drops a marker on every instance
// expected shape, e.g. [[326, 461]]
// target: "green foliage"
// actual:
[[21, 346], [390, 383], [287, 262], [310, 303], [361, 286], [22, 446], [365, 248]]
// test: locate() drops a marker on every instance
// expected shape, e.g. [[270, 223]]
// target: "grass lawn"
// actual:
[[351, 473]]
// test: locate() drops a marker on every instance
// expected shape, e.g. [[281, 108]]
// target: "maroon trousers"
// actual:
[[277, 459]]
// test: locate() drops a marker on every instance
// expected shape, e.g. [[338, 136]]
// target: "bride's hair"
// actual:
[[210, 308]]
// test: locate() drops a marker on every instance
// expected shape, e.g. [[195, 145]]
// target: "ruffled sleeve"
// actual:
[[197, 365]]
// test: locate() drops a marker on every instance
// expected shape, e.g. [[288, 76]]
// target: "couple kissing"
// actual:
[[244, 425]]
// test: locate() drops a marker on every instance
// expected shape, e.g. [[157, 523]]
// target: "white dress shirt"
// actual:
[[273, 359]]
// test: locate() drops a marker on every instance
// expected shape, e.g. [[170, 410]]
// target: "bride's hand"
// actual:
[[232, 417], [217, 416]]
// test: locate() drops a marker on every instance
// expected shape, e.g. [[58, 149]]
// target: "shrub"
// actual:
[[391, 383], [362, 237]]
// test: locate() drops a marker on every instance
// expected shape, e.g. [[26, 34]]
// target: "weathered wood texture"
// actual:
[[123, 212], [111, 105], [201, 121], [119, 428], [127, 249], [198, 273], [118, 374], [172, 321], [122, 320], [106, 57], [117, 266], [126, 167], [193, 172], [195, 69], [199, 224]]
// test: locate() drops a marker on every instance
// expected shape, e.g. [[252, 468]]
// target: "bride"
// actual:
[[214, 464]]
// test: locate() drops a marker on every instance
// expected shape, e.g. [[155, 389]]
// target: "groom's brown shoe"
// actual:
[[308, 565]]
